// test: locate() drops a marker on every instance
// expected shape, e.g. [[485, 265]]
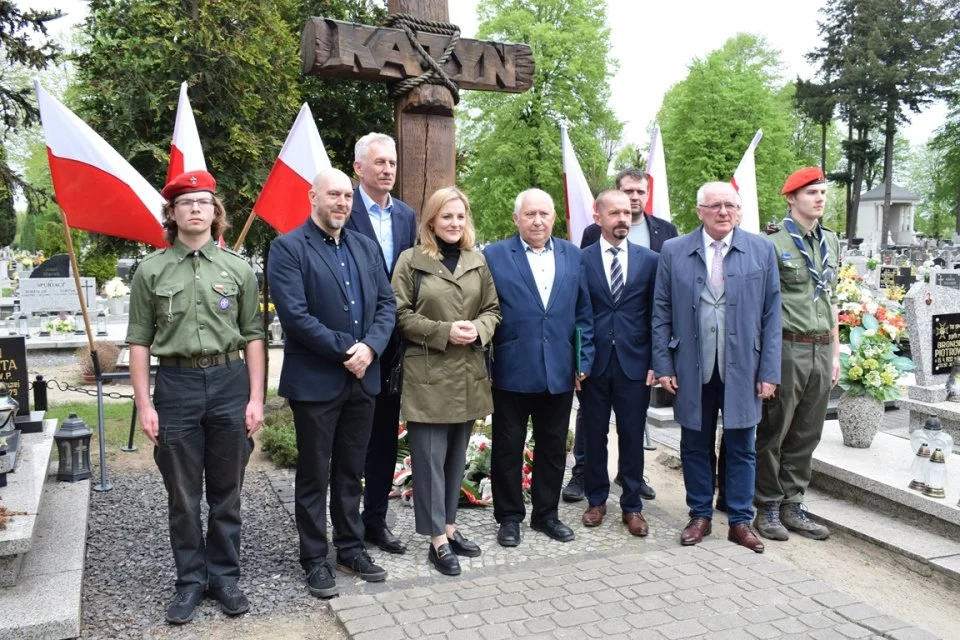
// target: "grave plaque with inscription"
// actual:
[[947, 278], [57, 266], [54, 295], [946, 342], [887, 275], [13, 373]]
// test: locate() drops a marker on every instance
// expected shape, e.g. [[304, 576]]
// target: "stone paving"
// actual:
[[604, 584]]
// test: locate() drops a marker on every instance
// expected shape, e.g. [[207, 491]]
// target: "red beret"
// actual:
[[801, 178], [189, 182]]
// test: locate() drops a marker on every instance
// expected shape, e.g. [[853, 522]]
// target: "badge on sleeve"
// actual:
[[786, 255]]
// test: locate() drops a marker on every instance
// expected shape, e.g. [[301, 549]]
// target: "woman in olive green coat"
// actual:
[[447, 311]]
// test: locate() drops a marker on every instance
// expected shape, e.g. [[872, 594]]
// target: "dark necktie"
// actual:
[[616, 275]]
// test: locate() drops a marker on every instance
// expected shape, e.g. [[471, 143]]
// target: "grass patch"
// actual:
[[116, 419]]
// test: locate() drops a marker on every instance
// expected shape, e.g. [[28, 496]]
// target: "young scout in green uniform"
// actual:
[[194, 306], [792, 421]]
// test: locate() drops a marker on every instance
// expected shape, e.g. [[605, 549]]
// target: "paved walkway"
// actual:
[[604, 584]]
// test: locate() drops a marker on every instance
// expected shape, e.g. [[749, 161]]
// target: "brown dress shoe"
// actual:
[[695, 530], [636, 525], [593, 516], [743, 535]]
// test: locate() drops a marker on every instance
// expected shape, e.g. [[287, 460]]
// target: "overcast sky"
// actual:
[[655, 41]]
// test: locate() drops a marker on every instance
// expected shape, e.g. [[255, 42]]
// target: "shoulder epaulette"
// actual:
[[772, 228], [232, 252], [158, 252], [828, 229]]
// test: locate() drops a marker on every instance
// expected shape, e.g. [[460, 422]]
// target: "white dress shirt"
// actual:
[[544, 268], [708, 254], [607, 258]]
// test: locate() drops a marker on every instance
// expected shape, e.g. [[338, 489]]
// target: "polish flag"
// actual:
[[96, 187], [658, 200], [579, 200], [186, 154], [745, 182], [283, 202]]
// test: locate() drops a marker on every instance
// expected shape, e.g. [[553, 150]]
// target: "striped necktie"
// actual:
[[616, 276]]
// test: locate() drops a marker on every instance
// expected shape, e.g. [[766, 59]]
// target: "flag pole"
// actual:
[[97, 371], [245, 230]]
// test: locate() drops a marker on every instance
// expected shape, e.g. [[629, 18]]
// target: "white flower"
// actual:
[[115, 288], [871, 307]]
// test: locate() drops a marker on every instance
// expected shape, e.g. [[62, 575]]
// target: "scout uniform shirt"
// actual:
[[186, 303], [801, 313]]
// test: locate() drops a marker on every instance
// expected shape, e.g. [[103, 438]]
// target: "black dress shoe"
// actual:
[[445, 560], [384, 538], [646, 491], [463, 547], [509, 534], [232, 601], [183, 606], [573, 492], [554, 529]]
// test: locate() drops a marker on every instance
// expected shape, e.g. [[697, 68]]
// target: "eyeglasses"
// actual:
[[717, 206], [187, 203]]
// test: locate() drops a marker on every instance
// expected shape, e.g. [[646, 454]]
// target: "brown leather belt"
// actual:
[[808, 338], [199, 362]]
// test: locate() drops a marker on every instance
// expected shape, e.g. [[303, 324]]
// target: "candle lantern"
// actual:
[[953, 382], [73, 445], [101, 323], [919, 468], [276, 330], [23, 324], [42, 324], [8, 409], [936, 476]]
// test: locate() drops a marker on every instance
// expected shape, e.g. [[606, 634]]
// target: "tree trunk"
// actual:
[[858, 171], [956, 229], [890, 130], [850, 233]]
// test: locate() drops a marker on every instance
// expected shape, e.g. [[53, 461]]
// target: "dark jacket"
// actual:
[[312, 305], [404, 223]]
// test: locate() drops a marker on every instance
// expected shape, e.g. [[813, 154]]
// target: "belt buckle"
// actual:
[[204, 361]]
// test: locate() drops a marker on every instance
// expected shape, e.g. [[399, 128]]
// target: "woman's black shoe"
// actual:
[[445, 560], [463, 547]]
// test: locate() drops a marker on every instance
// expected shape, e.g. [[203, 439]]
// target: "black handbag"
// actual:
[[395, 377]]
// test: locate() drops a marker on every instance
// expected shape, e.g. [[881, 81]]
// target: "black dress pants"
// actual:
[[332, 441], [203, 434], [550, 414], [381, 458]]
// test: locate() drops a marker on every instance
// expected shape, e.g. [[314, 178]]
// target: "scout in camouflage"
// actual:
[[792, 421], [195, 307]]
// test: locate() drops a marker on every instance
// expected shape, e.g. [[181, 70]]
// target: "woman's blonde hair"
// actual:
[[428, 239]]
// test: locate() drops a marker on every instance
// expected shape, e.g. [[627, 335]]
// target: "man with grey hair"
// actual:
[[730, 334], [393, 225], [545, 304]]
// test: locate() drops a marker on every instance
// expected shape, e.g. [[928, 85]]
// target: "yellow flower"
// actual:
[[854, 372]]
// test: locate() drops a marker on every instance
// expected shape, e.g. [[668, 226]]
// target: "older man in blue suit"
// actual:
[[544, 300], [338, 311], [716, 345], [620, 278], [393, 225]]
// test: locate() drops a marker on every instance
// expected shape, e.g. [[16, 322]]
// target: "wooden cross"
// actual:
[[426, 141]]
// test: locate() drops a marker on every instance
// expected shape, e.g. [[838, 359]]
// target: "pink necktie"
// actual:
[[716, 276]]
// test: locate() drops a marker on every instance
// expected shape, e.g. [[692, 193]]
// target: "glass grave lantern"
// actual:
[[73, 445], [937, 475]]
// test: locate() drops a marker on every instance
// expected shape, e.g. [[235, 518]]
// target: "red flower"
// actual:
[[482, 446]]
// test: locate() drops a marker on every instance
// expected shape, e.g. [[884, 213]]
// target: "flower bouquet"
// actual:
[[856, 301], [114, 288], [872, 367]]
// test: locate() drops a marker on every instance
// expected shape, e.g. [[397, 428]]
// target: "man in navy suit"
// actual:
[[716, 345], [544, 300], [620, 278], [393, 225], [645, 231], [338, 311]]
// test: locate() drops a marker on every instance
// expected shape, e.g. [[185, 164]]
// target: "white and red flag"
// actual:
[[745, 182], [658, 195], [186, 153], [97, 189], [579, 200], [283, 202]]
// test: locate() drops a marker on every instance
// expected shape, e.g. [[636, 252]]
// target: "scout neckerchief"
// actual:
[[821, 277]]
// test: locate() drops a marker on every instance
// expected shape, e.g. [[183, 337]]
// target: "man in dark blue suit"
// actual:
[[543, 296], [338, 311], [645, 231], [393, 225], [621, 278]]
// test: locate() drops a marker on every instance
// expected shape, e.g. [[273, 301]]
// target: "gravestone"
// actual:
[[946, 278], [887, 275], [57, 266], [55, 294], [905, 278], [14, 373]]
